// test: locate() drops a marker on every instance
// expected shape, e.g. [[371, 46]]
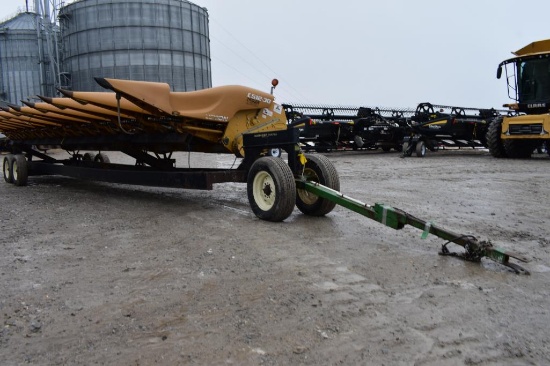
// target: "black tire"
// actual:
[[405, 149], [386, 148], [271, 189], [318, 169], [7, 168], [20, 170], [88, 157], [102, 158], [420, 149], [519, 149], [494, 142]]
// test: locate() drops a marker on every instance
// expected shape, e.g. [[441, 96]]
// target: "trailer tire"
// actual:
[[318, 169], [20, 170], [405, 149], [7, 168], [494, 142], [271, 189], [88, 157], [420, 149], [102, 158]]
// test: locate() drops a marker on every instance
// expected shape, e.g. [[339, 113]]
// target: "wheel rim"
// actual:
[[264, 190], [307, 197], [14, 170], [6, 169], [423, 150]]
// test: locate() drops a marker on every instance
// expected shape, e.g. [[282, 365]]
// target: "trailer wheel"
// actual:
[[406, 150], [271, 189], [88, 157], [494, 142], [420, 149], [102, 158], [7, 168], [318, 169], [20, 171]]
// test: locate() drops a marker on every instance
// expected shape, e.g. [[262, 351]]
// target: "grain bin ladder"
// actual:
[[397, 219]]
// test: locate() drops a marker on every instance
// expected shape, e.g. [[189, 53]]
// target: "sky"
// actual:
[[390, 53]]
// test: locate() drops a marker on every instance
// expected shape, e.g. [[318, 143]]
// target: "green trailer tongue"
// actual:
[[395, 218]]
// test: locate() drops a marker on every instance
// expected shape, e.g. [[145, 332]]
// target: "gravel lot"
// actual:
[[96, 273]]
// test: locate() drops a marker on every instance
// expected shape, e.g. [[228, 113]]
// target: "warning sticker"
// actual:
[[277, 108]]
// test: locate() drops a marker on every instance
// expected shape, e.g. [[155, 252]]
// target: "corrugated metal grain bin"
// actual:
[[22, 70], [149, 40]]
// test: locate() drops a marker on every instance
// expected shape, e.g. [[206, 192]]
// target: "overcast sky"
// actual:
[[391, 53]]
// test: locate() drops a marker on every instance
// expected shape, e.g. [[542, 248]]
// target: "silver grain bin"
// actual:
[[149, 40], [23, 69]]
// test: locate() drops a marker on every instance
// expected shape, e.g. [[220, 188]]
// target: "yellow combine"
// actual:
[[528, 126]]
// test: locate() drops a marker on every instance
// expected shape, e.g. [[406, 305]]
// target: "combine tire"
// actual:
[[494, 142], [420, 149], [519, 149], [318, 169], [7, 168], [271, 189], [20, 172]]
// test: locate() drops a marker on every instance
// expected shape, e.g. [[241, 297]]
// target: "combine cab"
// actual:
[[527, 128]]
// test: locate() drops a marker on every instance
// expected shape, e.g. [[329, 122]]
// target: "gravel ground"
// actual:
[[96, 273]]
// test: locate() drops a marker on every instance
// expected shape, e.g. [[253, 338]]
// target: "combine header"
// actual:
[[435, 126], [330, 128], [149, 123]]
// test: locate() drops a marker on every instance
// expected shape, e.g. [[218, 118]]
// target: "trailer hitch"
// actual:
[[395, 218]]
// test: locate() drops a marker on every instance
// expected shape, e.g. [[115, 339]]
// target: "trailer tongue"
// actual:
[[397, 219]]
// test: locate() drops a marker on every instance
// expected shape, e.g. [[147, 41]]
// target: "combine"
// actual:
[[148, 122], [528, 125]]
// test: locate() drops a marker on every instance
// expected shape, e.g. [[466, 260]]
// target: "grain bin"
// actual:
[[23, 69], [150, 40]]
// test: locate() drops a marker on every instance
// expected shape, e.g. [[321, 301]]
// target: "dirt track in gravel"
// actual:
[[96, 273]]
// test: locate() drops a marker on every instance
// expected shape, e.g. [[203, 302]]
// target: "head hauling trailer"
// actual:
[[148, 122]]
